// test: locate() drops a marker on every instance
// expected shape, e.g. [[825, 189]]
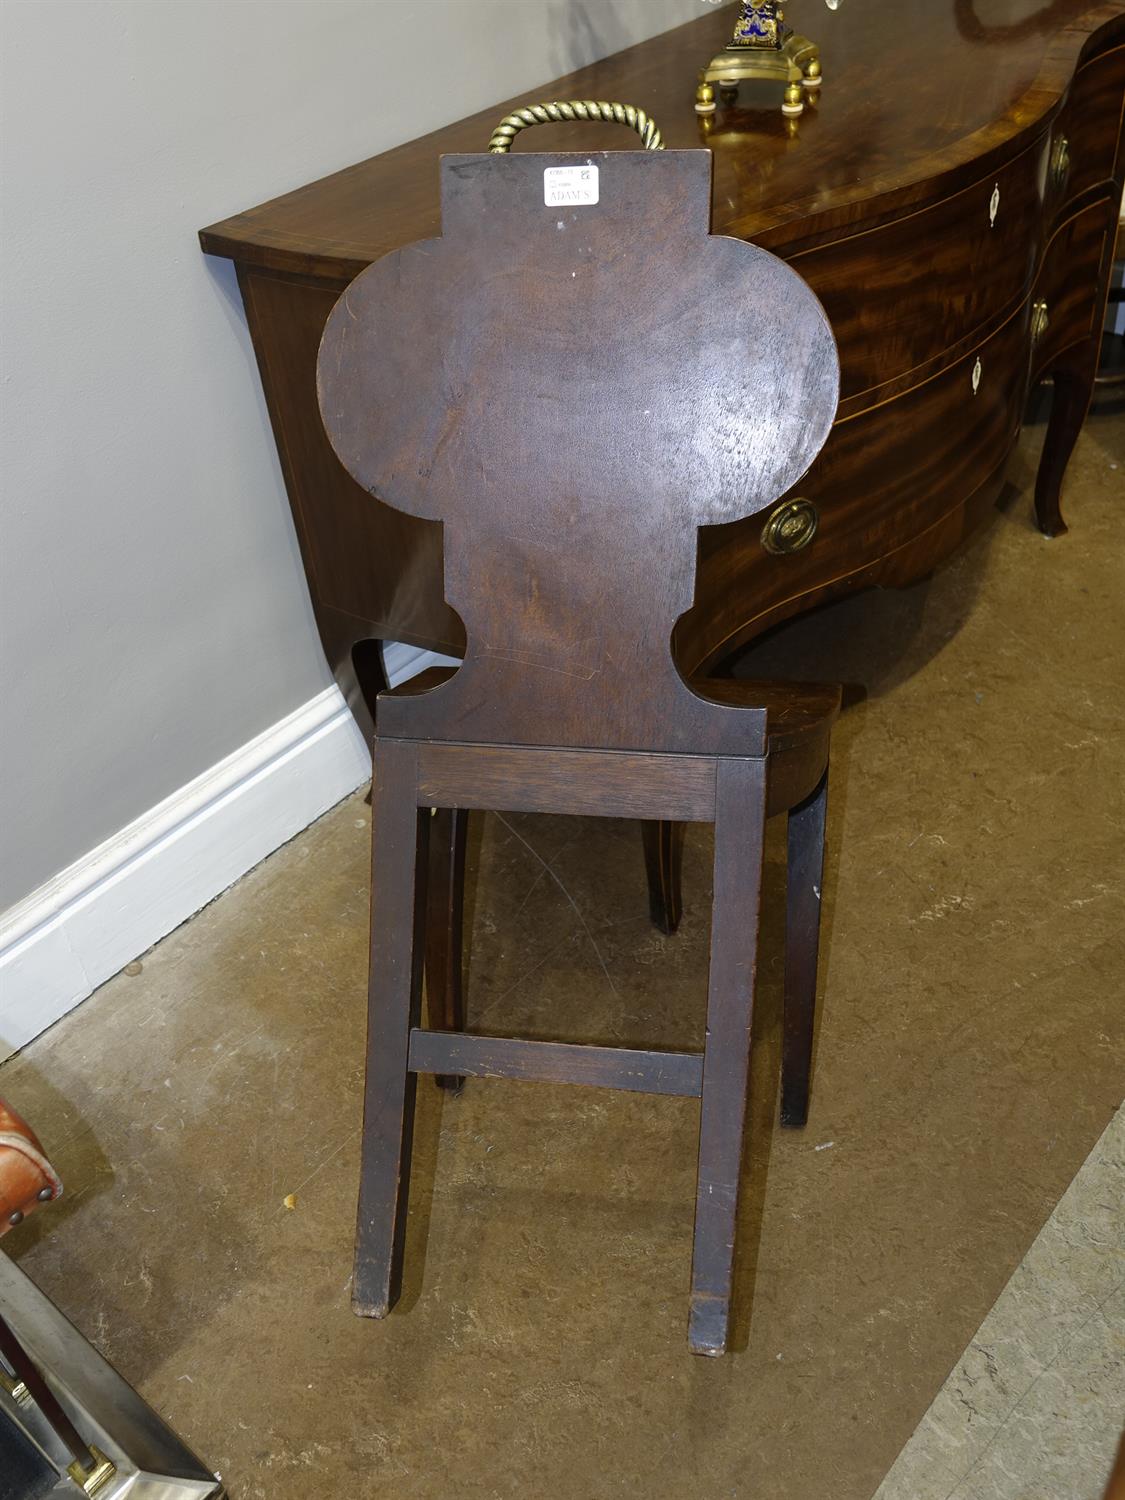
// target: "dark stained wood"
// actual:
[[587, 782], [1090, 122], [799, 717], [445, 1000], [1073, 303], [664, 852], [373, 573], [495, 376], [557, 1062], [1073, 384], [476, 380], [977, 261], [398, 876], [740, 817], [804, 883]]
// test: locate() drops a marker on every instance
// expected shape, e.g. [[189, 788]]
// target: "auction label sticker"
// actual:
[[563, 186]]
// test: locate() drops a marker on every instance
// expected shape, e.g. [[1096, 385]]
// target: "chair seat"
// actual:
[[801, 715]]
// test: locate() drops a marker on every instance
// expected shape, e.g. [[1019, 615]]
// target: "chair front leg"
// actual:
[[804, 883], [399, 852], [740, 817]]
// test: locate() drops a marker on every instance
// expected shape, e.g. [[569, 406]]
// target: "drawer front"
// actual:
[[898, 295], [1065, 300], [1086, 137], [884, 479], [887, 474]]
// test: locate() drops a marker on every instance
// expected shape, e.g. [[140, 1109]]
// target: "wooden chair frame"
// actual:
[[475, 379]]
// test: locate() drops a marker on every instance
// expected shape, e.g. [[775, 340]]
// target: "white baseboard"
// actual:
[[401, 661], [89, 921], [72, 934]]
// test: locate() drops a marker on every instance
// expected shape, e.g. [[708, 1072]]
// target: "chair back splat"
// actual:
[[574, 390]]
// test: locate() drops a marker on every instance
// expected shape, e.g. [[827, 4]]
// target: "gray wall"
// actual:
[[154, 613]]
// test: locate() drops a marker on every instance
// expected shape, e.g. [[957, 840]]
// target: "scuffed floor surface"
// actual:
[[968, 1058]]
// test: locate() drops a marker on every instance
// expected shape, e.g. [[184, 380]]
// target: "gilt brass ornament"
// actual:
[[762, 46]]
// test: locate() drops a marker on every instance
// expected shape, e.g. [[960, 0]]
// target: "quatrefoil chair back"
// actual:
[[572, 391]]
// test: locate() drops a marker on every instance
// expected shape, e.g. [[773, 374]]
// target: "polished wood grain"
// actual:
[[475, 379], [910, 101]]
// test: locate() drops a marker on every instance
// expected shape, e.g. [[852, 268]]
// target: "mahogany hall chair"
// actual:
[[572, 391]]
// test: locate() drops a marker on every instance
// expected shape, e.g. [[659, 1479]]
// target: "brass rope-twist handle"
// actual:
[[576, 109]]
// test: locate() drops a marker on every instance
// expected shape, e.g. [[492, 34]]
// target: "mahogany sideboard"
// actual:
[[951, 196]]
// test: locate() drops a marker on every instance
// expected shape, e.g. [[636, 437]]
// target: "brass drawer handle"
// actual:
[[576, 109], [1060, 162], [790, 527], [1039, 321]]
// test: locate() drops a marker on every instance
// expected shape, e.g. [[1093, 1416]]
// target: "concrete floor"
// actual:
[[1033, 1406], [968, 1058]]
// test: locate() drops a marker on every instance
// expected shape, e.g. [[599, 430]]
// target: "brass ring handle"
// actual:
[[1060, 161], [790, 527], [575, 109]]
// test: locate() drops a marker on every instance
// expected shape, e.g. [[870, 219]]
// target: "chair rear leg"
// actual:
[[740, 816], [445, 1000], [802, 939], [400, 835], [664, 851]]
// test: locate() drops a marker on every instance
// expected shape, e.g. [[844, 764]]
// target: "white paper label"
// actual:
[[563, 186]]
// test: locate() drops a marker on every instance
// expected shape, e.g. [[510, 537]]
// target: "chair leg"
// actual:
[[740, 816], [400, 835], [802, 940], [664, 845], [445, 999]]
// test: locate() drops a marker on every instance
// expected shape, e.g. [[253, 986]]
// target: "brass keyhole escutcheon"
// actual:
[[1040, 318], [1060, 162], [790, 527]]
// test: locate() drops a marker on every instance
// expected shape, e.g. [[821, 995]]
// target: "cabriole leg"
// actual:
[[1073, 387]]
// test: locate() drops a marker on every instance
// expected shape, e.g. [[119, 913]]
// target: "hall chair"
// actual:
[[572, 379]]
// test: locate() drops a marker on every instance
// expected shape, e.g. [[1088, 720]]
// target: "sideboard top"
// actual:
[[913, 91]]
